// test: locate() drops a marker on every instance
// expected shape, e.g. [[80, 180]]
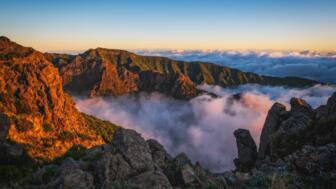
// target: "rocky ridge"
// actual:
[[297, 148], [101, 72]]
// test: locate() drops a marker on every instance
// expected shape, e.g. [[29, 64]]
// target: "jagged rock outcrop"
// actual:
[[286, 131], [272, 123], [102, 72], [247, 150], [126, 162], [297, 149]]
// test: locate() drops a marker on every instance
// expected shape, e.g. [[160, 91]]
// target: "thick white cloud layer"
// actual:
[[202, 127], [311, 65]]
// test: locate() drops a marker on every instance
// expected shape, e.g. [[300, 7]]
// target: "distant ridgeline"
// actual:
[[101, 72]]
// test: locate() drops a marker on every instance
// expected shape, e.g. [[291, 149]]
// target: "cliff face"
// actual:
[[115, 72], [34, 110]]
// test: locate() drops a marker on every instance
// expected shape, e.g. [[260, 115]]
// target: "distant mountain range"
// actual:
[[102, 72]]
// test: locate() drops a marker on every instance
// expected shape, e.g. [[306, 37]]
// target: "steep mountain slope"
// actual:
[[34, 110], [115, 72]]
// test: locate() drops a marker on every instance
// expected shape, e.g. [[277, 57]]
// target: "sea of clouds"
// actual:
[[312, 65], [203, 126]]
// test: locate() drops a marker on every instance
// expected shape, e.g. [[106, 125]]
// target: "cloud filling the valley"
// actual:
[[312, 65], [203, 126]]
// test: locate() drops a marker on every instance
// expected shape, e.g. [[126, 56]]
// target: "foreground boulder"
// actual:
[[134, 149], [247, 150], [272, 123]]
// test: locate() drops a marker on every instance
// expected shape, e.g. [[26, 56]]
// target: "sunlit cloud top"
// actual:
[[175, 24]]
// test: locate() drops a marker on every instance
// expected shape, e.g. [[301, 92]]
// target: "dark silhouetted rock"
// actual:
[[247, 150], [272, 123], [293, 132]]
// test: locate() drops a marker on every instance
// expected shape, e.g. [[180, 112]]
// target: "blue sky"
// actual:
[[174, 24]]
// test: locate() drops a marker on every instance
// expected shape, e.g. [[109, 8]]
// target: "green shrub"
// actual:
[[102, 128], [66, 135], [22, 124], [47, 142], [22, 107], [8, 64], [47, 127], [76, 152]]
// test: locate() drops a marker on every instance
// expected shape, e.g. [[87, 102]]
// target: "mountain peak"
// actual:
[[6, 46], [4, 39], [5, 42], [105, 51]]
